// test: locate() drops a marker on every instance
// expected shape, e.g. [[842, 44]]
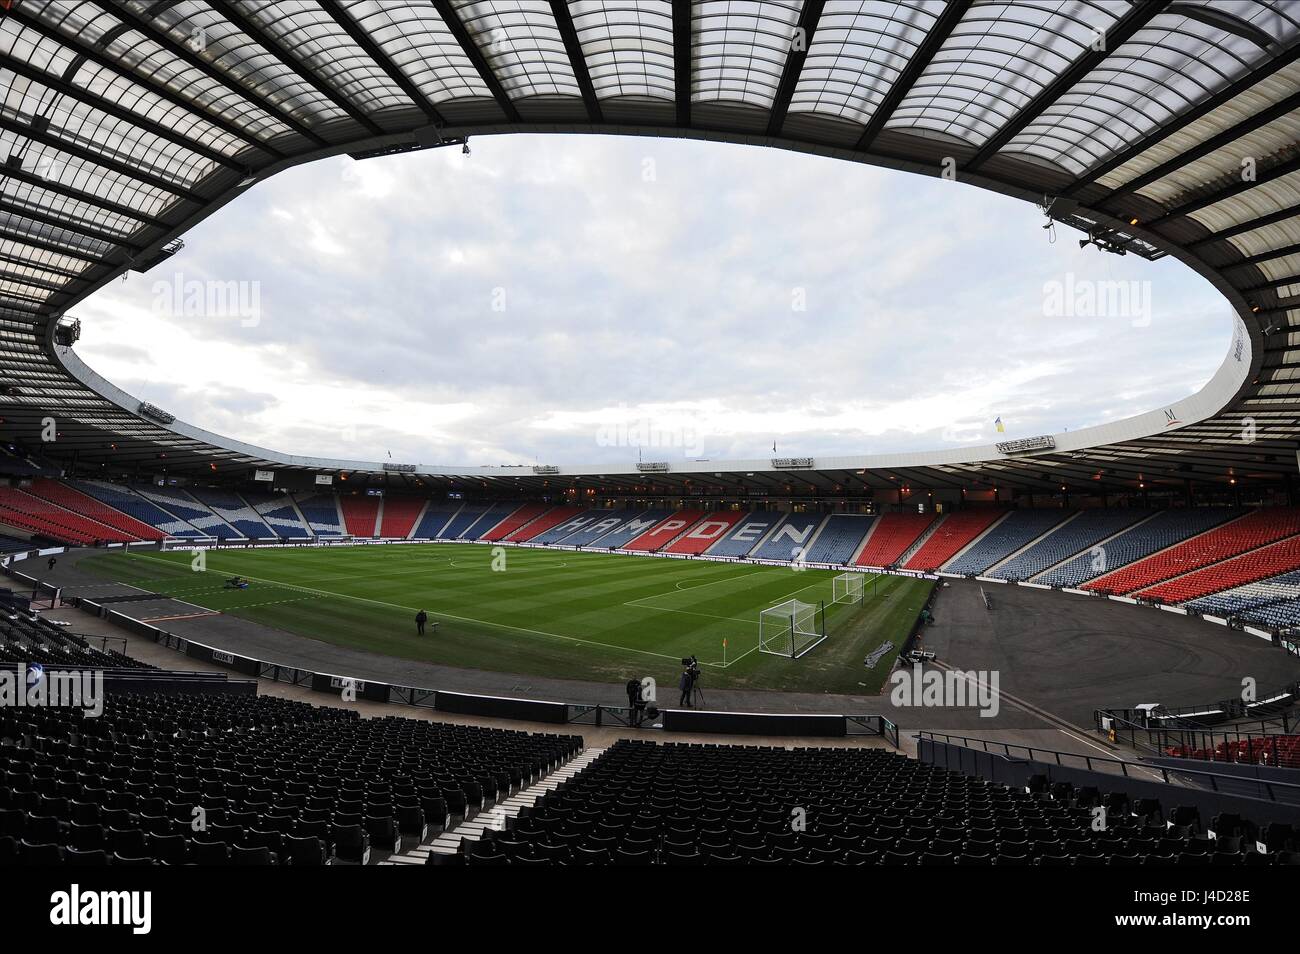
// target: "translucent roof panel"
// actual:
[[116, 139], [857, 53], [44, 52], [1168, 66], [522, 44], [107, 33], [419, 43], [61, 168], [998, 58], [739, 49], [214, 39], [628, 46], [317, 40]]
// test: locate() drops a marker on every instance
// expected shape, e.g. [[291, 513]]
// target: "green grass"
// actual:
[[548, 612]]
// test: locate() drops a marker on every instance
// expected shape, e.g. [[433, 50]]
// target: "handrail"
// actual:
[[1164, 771]]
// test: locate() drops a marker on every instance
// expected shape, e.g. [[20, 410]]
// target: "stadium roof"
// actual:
[[1160, 127]]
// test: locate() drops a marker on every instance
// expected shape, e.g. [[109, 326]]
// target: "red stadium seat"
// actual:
[[957, 530], [1246, 533], [399, 516], [359, 515], [893, 534]]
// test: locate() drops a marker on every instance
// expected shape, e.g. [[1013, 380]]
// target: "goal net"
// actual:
[[847, 588], [790, 629]]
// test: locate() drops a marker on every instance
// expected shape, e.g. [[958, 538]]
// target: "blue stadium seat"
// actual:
[[839, 539], [1006, 537], [1165, 529]]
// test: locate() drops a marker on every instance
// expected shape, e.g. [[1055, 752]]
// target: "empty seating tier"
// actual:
[[233, 509], [322, 514], [487, 520], [746, 534], [1238, 536], [663, 533], [276, 781], [892, 536], [1085, 531], [278, 513], [1020, 528], [632, 529], [839, 539], [1164, 529], [955, 532], [360, 514], [515, 521], [705, 533], [603, 522], [642, 803], [400, 514], [789, 541], [131, 503], [197, 514], [1272, 560], [542, 524], [40, 516], [436, 516]]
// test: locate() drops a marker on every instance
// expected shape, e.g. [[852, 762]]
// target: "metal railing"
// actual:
[[1213, 780]]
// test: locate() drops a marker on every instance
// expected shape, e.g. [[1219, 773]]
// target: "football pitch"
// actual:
[[565, 614]]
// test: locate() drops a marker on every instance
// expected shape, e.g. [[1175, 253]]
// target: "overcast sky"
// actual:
[[562, 299]]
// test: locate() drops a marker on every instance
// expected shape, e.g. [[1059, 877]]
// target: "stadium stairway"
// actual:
[[954, 533], [893, 535], [665, 532], [518, 520], [547, 521], [449, 842], [1254, 530], [360, 515], [399, 516], [705, 532]]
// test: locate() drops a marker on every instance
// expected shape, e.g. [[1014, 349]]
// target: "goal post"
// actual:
[[847, 588], [791, 628]]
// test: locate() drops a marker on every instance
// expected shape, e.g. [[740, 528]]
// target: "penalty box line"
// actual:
[[463, 619]]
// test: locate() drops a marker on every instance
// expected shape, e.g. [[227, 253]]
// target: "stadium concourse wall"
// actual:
[[461, 703]]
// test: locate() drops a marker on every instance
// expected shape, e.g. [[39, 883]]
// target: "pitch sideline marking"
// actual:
[[463, 619]]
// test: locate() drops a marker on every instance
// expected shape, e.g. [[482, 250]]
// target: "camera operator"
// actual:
[[635, 703]]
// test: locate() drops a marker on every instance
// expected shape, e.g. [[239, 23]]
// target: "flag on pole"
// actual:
[[998, 424]]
